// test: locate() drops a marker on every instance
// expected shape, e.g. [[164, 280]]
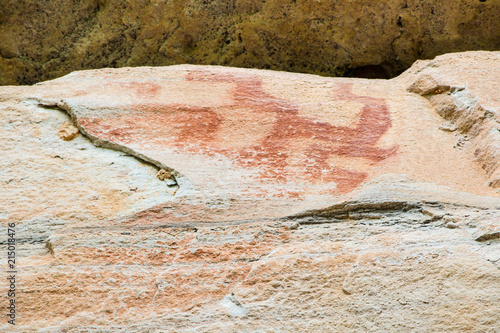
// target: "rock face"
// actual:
[[44, 40], [210, 199]]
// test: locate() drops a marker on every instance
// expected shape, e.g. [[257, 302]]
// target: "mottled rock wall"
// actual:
[[287, 202], [44, 40]]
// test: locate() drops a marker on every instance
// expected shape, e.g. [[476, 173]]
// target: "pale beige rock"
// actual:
[[462, 89], [44, 40], [297, 203], [67, 131]]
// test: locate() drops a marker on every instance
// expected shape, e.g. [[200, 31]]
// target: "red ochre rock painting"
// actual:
[[195, 129]]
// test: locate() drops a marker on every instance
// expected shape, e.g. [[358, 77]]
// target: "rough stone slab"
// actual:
[[463, 88], [300, 203], [332, 38], [236, 134]]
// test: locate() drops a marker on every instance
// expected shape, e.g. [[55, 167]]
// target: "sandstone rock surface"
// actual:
[[44, 40], [212, 199]]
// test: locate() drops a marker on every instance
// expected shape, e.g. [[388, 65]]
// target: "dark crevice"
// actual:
[[346, 210], [370, 72], [488, 236], [399, 23]]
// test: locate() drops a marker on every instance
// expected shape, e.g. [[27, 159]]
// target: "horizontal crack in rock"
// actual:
[[392, 212], [345, 210], [488, 236]]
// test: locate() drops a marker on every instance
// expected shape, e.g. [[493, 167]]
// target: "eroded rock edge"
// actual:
[[477, 124], [178, 177]]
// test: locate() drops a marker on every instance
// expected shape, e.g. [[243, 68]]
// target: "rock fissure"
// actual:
[[163, 170], [423, 212], [488, 236]]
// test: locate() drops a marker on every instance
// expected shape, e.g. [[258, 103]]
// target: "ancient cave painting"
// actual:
[[290, 146], [271, 154]]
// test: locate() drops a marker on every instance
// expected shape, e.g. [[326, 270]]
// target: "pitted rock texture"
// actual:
[[44, 40], [212, 199]]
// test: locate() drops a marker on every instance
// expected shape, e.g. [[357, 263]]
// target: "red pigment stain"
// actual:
[[195, 129], [104, 129], [142, 89], [271, 155]]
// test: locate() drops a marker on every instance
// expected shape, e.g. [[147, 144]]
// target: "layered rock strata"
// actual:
[[201, 198]]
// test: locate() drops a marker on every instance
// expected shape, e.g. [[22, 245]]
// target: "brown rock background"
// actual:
[[44, 40]]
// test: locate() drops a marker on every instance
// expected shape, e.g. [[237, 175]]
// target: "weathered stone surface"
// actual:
[[463, 89], [44, 40], [67, 131], [211, 199]]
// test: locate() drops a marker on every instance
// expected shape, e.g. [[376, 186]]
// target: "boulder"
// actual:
[[204, 198]]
